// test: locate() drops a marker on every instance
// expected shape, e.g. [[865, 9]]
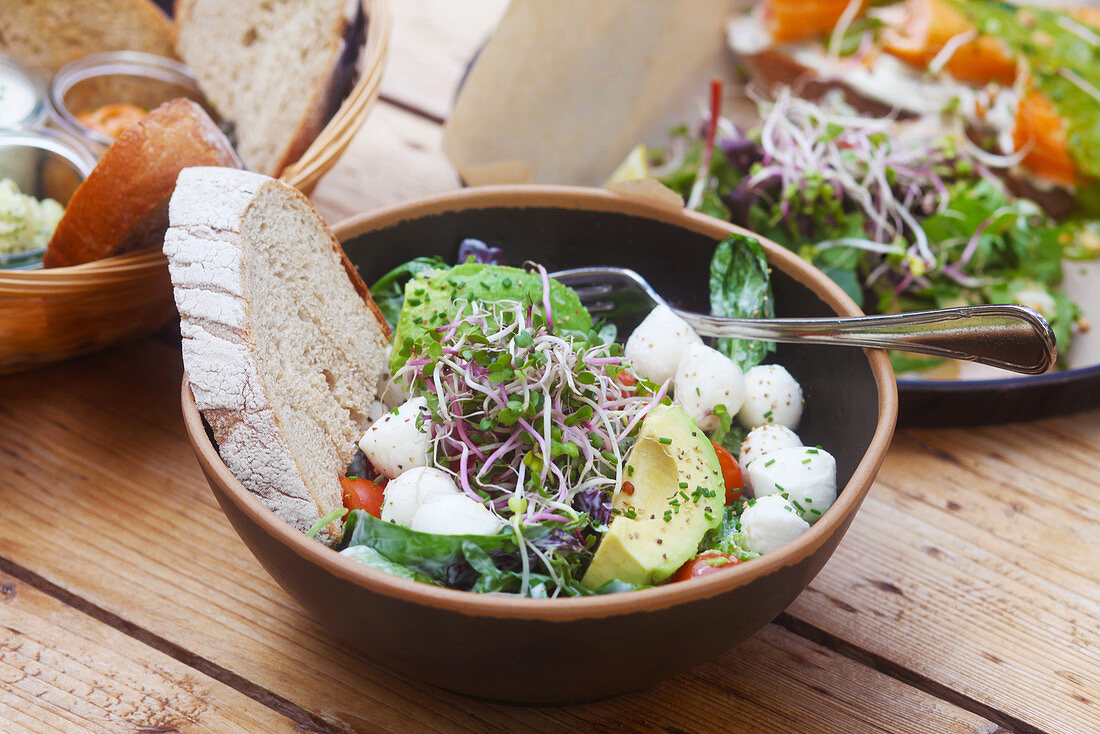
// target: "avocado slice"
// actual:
[[430, 302], [672, 495]]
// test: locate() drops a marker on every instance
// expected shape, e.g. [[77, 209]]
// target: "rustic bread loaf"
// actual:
[[270, 68], [47, 34], [282, 344], [123, 204]]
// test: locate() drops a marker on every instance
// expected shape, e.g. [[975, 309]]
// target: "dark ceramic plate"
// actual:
[[558, 650], [931, 403]]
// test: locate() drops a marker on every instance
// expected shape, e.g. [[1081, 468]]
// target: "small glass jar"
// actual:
[[45, 164], [116, 78], [22, 95]]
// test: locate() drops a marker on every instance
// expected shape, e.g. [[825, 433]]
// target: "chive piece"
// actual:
[[665, 441], [769, 462]]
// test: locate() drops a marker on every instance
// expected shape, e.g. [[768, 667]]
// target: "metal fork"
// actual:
[[1011, 337]]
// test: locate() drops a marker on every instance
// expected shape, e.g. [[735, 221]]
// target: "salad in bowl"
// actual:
[[518, 448]]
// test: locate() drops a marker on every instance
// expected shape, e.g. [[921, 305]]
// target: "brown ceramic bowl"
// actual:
[[559, 650]]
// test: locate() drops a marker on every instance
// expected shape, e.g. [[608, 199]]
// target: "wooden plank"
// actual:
[[97, 459], [432, 43], [974, 563], [63, 671], [394, 157]]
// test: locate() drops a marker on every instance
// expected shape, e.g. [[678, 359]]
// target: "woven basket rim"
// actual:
[[321, 156]]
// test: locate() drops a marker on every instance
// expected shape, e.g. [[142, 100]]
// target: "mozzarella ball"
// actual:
[[804, 476], [770, 523], [455, 515], [417, 487], [390, 392], [656, 346], [704, 379], [394, 443], [771, 396], [763, 440]]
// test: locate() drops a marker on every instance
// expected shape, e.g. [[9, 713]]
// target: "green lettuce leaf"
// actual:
[[740, 287]]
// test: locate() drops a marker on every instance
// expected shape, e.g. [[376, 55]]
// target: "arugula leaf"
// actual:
[[740, 287], [389, 290]]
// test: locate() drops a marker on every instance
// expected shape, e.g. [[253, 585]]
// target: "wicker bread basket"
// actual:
[[53, 314]]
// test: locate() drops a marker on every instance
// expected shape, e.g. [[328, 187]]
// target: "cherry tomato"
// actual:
[[731, 473], [627, 381], [705, 563], [363, 494]]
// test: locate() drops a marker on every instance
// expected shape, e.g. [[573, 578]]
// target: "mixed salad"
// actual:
[[975, 188], [518, 448]]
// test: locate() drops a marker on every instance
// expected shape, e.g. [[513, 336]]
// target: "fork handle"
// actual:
[[1006, 336]]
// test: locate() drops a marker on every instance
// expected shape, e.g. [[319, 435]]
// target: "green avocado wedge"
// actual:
[[431, 300], [673, 494]]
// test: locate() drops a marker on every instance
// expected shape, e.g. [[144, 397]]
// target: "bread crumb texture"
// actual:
[[267, 66], [282, 354]]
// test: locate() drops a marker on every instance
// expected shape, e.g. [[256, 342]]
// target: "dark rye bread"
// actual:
[[270, 67], [282, 344], [47, 34]]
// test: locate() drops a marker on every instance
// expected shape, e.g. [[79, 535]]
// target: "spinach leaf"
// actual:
[[478, 563], [425, 553], [740, 287], [389, 290], [368, 556]]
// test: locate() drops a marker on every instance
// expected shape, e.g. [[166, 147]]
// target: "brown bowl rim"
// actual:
[[660, 597]]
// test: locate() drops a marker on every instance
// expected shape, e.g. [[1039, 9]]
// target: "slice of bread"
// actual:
[[282, 344], [47, 34], [270, 67], [123, 204]]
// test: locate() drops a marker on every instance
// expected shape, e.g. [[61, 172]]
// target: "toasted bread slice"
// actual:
[[271, 69], [282, 343], [123, 204], [47, 34]]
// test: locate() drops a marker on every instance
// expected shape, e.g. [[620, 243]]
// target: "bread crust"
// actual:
[[123, 204], [207, 252]]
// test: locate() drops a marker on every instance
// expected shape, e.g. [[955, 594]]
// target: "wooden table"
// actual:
[[965, 597]]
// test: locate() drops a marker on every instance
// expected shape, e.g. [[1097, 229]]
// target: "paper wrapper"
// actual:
[[563, 90]]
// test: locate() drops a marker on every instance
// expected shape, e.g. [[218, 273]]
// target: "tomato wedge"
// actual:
[[363, 494], [731, 473], [705, 563]]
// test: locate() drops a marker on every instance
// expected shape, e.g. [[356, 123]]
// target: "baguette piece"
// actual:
[[123, 204], [270, 68], [47, 34], [282, 343]]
